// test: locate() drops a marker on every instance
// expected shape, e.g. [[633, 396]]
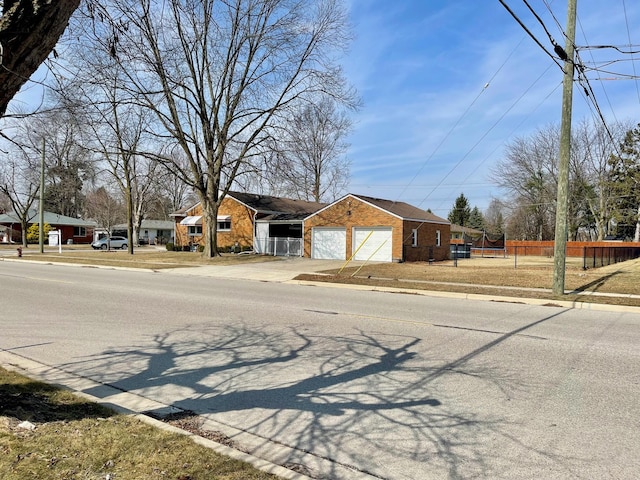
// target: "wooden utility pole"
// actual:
[[560, 245], [41, 206]]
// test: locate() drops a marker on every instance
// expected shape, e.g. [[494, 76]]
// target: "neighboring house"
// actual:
[[460, 234], [74, 230], [266, 224], [153, 232], [374, 229]]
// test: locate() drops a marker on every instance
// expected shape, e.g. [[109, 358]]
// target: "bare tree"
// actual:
[[528, 174], [595, 145], [20, 177], [494, 217], [29, 30], [311, 153], [105, 209], [220, 76], [68, 161]]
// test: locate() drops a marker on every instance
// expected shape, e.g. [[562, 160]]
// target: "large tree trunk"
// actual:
[[29, 30]]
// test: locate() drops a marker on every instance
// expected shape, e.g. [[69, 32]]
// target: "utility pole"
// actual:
[[41, 212], [560, 244]]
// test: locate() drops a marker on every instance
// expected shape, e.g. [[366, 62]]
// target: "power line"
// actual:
[[524, 27], [633, 63]]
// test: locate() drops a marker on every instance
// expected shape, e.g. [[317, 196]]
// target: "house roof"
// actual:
[[402, 209], [273, 205], [152, 225], [51, 218], [460, 229], [267, 204]]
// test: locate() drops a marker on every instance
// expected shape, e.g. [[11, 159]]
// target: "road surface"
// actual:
[[350, 384]]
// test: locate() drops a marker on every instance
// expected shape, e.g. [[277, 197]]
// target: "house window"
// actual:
[[224, 226], [195, 230], [79, 232], [437, 238], [414, 237]]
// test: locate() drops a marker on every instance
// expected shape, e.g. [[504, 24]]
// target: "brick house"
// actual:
[[268, 225], [375, 229], [74, 230]]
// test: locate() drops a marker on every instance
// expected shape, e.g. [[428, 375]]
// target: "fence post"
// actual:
[[584, 258]]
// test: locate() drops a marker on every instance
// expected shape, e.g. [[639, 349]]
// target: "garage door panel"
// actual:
[[373, 244], [329, 243]]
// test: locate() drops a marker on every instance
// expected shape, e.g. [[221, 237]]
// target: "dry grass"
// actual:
[[76, 439], [143, 257], [530, 277]]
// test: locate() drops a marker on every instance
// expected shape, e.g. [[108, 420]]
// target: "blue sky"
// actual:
[[446, 84]]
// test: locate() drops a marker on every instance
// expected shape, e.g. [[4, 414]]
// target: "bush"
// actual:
[[33, 233], [169, 247]]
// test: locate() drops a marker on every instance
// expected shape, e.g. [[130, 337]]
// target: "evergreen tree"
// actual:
[[476, 219], [461, 212], [625, 182]]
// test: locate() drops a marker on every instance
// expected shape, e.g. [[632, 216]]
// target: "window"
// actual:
[[195, 230], [437, 238], [414, 237], [79, 232], [224, 225]]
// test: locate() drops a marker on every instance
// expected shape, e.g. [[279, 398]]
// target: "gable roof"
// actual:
[[461, 229], [151, 224], [401, 210]]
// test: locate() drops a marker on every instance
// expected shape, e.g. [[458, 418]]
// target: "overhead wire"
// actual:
[[457, 122], [633, 63], [524, 27]]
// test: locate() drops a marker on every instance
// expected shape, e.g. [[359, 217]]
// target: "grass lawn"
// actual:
[[530, 277], [143, 257], [77, 439]]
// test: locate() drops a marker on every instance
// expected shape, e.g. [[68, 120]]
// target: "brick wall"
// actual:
[[241, 225], [426, 249], [351, 212]]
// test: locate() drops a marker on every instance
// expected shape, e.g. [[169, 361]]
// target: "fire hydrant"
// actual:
[[19, 251]]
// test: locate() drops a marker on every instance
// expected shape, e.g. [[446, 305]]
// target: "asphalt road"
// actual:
[[352, 384]]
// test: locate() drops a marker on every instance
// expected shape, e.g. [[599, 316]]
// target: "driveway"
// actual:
[[282, 270]]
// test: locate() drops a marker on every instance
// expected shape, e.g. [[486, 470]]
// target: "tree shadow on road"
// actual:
[[361, 400]]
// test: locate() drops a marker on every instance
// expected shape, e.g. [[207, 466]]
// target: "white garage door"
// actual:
[[377, 244], [329, 243]]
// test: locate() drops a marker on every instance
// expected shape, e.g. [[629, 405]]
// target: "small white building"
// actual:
[[153, 232]]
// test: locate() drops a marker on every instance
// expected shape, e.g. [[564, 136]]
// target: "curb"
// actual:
[[602, 307], [36, 370]]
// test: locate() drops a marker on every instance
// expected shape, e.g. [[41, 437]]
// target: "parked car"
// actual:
[[116, 242]]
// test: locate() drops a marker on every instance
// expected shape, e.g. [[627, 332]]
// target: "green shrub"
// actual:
[[33, 233], [169, 246]]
